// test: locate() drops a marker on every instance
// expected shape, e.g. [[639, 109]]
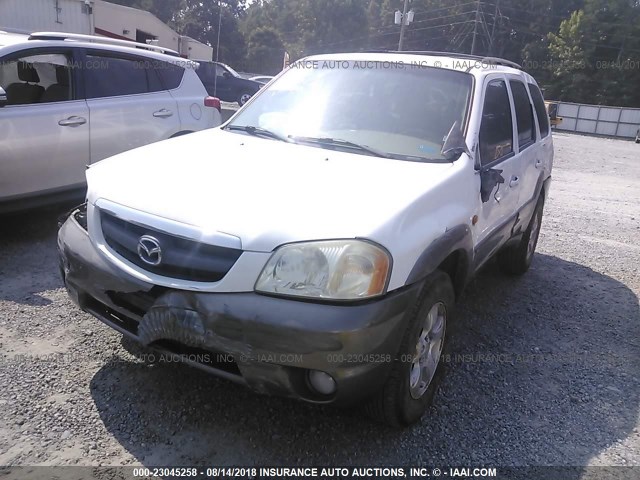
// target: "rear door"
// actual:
[[128, 104], [44, 134], [529, 148]]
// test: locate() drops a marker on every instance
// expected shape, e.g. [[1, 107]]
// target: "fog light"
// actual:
[[322, 382]]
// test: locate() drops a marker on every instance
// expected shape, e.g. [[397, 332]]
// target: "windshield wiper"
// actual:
[[336, 142], [258, 132]]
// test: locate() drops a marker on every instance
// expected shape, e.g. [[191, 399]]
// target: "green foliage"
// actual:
[[265, 51], [596, 54]]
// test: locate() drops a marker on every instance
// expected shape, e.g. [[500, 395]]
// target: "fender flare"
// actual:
[[455, 240]]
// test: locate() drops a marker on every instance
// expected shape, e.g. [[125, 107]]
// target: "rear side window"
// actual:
[[111, 76], [524, 114], [496, 129], [170, 74], [541, 111]]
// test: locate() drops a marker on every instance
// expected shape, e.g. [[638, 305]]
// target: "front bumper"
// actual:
[[268, 343]]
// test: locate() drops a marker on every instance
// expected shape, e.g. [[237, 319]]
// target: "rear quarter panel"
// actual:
[[189, 97]]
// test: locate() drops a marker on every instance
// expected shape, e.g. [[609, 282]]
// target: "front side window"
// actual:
[[34, 79], [220, 71], [111, 76], [230, 70], [496, 129], [524, 114], [403, 111]]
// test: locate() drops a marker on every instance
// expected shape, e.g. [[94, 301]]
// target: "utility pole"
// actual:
[[215, 77], [219, 28], [403, 24], [475, 28]]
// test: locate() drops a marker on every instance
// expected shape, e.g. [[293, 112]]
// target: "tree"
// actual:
[[265, 51], [199, 19], [594, 54], [570, 62]]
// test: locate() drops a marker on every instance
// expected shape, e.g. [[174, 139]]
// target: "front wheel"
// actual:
[[417, 369], [244, 98]]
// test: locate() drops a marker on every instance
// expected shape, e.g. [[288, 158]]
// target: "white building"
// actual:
[[97, 17]]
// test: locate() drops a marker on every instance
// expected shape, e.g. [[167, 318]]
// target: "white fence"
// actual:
[[599, 120]]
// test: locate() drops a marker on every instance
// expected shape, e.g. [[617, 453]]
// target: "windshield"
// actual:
[[404, 111]]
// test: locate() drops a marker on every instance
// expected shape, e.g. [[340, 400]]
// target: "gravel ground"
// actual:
[[545, 369]]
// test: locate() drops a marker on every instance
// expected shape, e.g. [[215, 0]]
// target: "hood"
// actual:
[[265, 192]]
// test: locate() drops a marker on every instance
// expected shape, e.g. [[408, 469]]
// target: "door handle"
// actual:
[[515, 181], [164, 113], [72, 122], [539, 163]]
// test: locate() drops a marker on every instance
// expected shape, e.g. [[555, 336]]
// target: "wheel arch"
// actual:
[[451, 253]]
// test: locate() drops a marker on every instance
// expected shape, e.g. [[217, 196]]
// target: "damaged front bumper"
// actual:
[[272, 345]]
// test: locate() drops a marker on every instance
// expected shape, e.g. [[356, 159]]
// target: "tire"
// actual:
[[244, 98], [516, 260], [402, 400]]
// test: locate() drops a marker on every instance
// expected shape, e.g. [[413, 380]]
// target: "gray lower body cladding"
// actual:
[[270, 344]]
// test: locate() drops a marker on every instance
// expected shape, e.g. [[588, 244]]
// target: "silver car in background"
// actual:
[[67, 101]]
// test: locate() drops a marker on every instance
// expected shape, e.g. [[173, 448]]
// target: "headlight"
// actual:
[[337, 269]]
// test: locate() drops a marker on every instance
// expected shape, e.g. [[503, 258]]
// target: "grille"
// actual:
[[181, 258]]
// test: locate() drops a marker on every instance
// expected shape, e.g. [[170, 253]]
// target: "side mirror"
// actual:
[[3, 97], [226, 75], [454, 144]]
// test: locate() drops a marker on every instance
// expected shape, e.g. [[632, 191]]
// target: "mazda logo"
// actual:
[[149, 250]]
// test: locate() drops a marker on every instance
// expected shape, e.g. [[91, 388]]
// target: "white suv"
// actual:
[[319, 253], [67, 101]]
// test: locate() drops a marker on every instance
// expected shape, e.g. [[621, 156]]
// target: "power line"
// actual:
[[392, 30], [451, 7], [446, 16]]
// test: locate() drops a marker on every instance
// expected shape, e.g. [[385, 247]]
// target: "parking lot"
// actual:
[[544, 370]]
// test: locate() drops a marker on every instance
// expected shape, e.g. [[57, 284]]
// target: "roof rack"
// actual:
[[501, 61], [104, 40], [487, 60]]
